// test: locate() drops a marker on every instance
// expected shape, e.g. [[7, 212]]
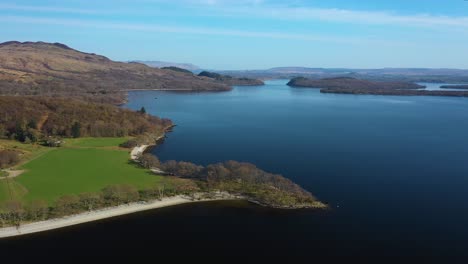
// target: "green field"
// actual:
[[82, 165], [4, 195]]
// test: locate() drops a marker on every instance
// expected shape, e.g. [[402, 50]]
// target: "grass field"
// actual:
[[81, 165], [4, 195]]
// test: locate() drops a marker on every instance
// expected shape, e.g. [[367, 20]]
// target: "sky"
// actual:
[[251, 34]]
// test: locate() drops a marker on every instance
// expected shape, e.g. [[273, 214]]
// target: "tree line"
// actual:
[[14, 212], [238, 178]]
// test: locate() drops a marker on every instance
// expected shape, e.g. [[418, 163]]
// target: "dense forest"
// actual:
[[239, 178], [28, 119]]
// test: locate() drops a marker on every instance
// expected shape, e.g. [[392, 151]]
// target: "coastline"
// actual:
[[142, 149], [109, 212]]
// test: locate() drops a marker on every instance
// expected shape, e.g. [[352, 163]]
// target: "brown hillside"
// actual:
[[39, 68]]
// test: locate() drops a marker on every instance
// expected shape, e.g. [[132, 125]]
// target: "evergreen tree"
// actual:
[[32, 124], [143, 110], [20, 131], [76, 130]]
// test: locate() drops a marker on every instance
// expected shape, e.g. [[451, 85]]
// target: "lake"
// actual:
[[394, 170]]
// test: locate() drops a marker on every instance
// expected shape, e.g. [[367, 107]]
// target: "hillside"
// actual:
[[39, 68], [32, 118]]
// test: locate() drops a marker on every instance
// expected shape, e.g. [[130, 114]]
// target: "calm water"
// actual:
[[394, 169]]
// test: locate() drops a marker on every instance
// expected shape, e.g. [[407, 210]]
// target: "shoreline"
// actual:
[[142, 149], [105, 213]]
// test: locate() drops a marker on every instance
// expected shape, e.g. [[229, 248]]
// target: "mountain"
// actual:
[[163, 64], [54, 69]]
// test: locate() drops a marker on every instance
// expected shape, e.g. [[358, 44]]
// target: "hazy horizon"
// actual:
[[251, 34]]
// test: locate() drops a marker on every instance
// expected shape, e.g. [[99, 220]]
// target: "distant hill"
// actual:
[[350, 84], [385, 74], [347, 85], [162, 64], [231, 81], [54, 69]]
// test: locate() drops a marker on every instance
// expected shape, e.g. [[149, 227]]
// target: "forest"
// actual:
[[229, 80], [30, 119], [238, 178]]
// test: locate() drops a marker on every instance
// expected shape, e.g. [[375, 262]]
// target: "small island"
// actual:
[[348, 85], [231, 81]]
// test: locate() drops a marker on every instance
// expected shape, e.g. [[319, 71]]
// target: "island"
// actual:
[[349, 85], [458, 86], [229, 80], [65, 161]]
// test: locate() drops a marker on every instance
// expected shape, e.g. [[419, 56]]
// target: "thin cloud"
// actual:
[[194, 30], [263, 9], [48, 9], [355, 17]]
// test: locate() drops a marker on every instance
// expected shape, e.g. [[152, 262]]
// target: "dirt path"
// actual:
[[42, 121], [12, 174]]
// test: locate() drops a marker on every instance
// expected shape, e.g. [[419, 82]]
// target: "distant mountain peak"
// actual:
[[163, 64]]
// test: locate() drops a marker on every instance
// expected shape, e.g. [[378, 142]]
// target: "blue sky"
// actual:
[[251, 34]]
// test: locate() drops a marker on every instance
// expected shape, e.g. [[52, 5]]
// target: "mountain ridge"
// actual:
[[55, 69]]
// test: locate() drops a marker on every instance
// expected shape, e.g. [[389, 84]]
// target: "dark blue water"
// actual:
[[394, 170]]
